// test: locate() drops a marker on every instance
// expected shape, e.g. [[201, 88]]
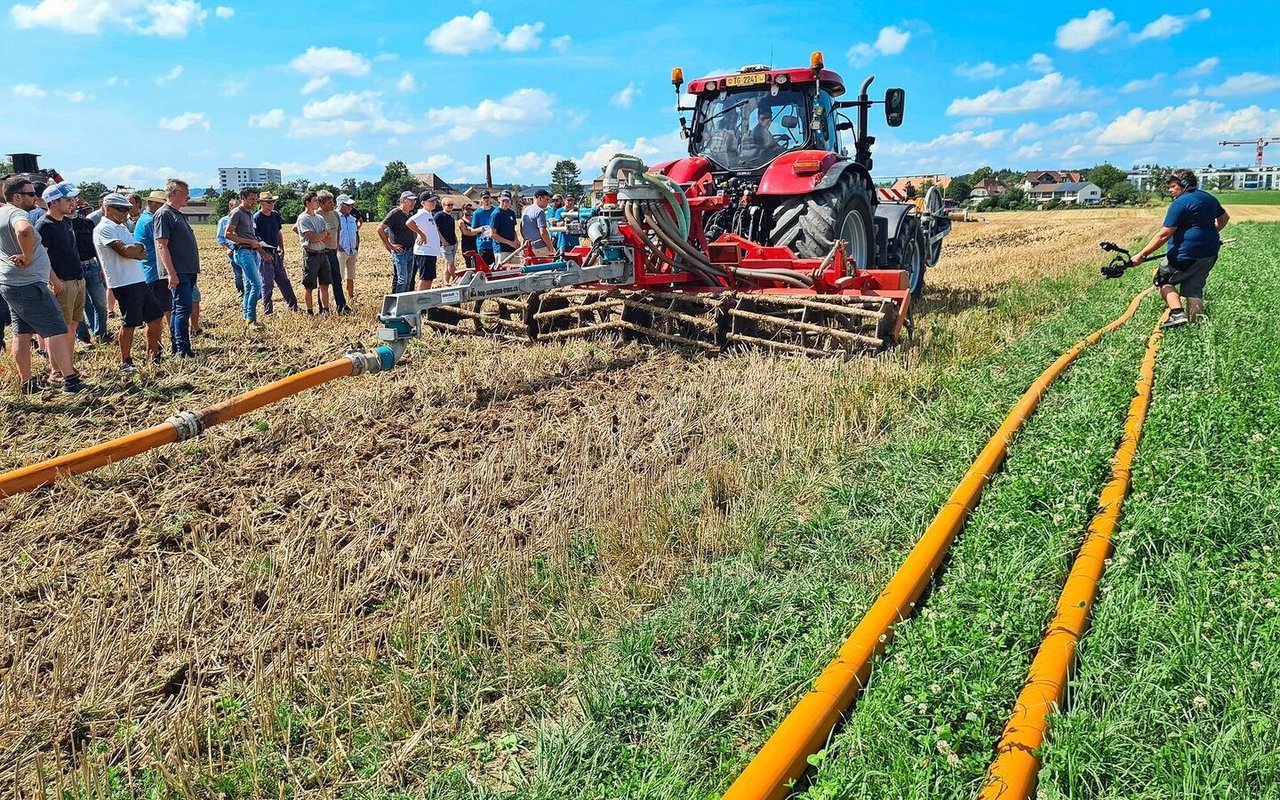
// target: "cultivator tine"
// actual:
[[824, 326]]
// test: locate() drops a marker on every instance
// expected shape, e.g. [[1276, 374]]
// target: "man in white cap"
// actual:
[[67, 280], [348, 242], [121, 258]]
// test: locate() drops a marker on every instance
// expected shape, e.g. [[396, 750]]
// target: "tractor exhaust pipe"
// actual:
[[862, 147]]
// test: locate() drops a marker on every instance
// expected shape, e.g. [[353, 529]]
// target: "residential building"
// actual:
[[1074, 192], [989, 187], [1219, 178], [917, 182], [1045, 176], [237, 178], [431, 182]]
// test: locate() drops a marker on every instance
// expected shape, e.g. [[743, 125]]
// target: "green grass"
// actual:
[[1259, 197]]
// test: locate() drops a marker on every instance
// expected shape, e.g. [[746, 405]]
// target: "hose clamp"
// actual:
[[188, 424]]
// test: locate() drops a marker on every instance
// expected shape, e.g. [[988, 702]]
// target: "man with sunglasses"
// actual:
[[502, 228], [481, 220], [268, 225], [121, 258], [24, 284], [467, 235], [448, 228], [67, 280]]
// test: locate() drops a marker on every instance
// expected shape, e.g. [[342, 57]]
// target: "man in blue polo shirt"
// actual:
[[481, 221], [1191, 227]]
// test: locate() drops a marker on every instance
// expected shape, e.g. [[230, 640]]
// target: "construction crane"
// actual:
[[1260, 143]]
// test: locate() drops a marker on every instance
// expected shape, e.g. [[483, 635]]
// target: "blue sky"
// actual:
[[132, 91]]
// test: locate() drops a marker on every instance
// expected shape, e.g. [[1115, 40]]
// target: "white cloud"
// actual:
[[889, 42], [1193, 121], [224, 12], [167, 18], [345, 114], [406, 84], [624, 97], [984, 69], [339, 165], [1142, 84], [268, 119], [947, 141], [1203, 68], [29, 90], [73, 97], [1031, 130], [972, 123], [112, 81], [135, 175], [182, 122], [477, 33], [320, 63], [515, 113], [1169, 25], [1246, 83], [1040, 63], [387, 57], [232, 88], [1085, 32], [561, 43], [1050, 91], [524, 37], [170, 76], [1189, 91], [1028, 152]]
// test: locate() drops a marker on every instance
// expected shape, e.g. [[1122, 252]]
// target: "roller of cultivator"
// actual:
[[761, 238]]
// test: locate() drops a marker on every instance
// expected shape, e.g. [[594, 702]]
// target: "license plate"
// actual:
[[745, 80]]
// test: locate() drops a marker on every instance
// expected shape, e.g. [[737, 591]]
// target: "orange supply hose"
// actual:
[[176, 428], [784, 757], [1013, 772]]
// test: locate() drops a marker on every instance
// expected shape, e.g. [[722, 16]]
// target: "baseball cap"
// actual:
[[60, 190], [556, 197], [425, 196], [116, 200], [506, 195], [158, 196], [541, 193], [345, 200], [408, 196], [485, 194]]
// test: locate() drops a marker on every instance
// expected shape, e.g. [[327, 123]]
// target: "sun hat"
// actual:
[[116, 200]]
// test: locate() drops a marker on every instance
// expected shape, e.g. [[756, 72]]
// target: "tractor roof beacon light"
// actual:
[[815, 61]]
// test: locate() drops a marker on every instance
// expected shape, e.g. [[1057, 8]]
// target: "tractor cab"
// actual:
[[743, 122]]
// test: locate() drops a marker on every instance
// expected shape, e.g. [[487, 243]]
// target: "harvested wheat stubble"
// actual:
[[392, 520]]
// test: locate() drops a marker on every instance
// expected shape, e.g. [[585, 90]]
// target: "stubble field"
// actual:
[[406, 584]]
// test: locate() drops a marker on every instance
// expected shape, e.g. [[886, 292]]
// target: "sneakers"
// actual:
[[345, 311], [127, 367], [1176, 319], [31, 387], [72, 384]]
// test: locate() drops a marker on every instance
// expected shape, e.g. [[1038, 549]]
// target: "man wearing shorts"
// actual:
[[55, 234], [313, 235], [448, 228], [348, 242], [144, 233], [121, 259], [426, 247], [1191, 227], [24, 284]]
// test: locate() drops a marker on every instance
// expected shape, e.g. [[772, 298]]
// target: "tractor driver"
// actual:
[[761, 137], [722, 145]]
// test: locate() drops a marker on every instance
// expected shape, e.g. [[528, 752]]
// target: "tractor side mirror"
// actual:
[[895, 100], [790, 121]]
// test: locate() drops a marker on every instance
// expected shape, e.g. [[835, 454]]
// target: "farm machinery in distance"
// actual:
[[768, 234]]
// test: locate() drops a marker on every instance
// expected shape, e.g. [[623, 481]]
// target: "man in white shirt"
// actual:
[[121, 258], [426, 248]]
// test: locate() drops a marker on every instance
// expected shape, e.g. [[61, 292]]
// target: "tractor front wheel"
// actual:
[[810, 224], [909, 251]]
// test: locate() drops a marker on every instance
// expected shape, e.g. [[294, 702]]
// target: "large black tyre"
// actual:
[[909, 251], [810, 224]]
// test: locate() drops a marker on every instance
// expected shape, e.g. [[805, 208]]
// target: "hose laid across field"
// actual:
[[785, 756], [1012, 775], [189, 424]]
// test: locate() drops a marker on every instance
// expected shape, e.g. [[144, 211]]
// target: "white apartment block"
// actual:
[[1220, 178], [237, 178]]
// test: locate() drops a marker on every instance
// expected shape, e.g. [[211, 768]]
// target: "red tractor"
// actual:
[[767, 235], [771, 139]]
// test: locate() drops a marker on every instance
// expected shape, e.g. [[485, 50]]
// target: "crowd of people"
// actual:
[[66, 268]]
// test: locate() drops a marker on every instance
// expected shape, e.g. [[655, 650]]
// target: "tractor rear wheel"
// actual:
[[909, 251], [810, 224]]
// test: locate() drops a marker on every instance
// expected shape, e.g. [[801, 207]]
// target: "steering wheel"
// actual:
[[782, 140]]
